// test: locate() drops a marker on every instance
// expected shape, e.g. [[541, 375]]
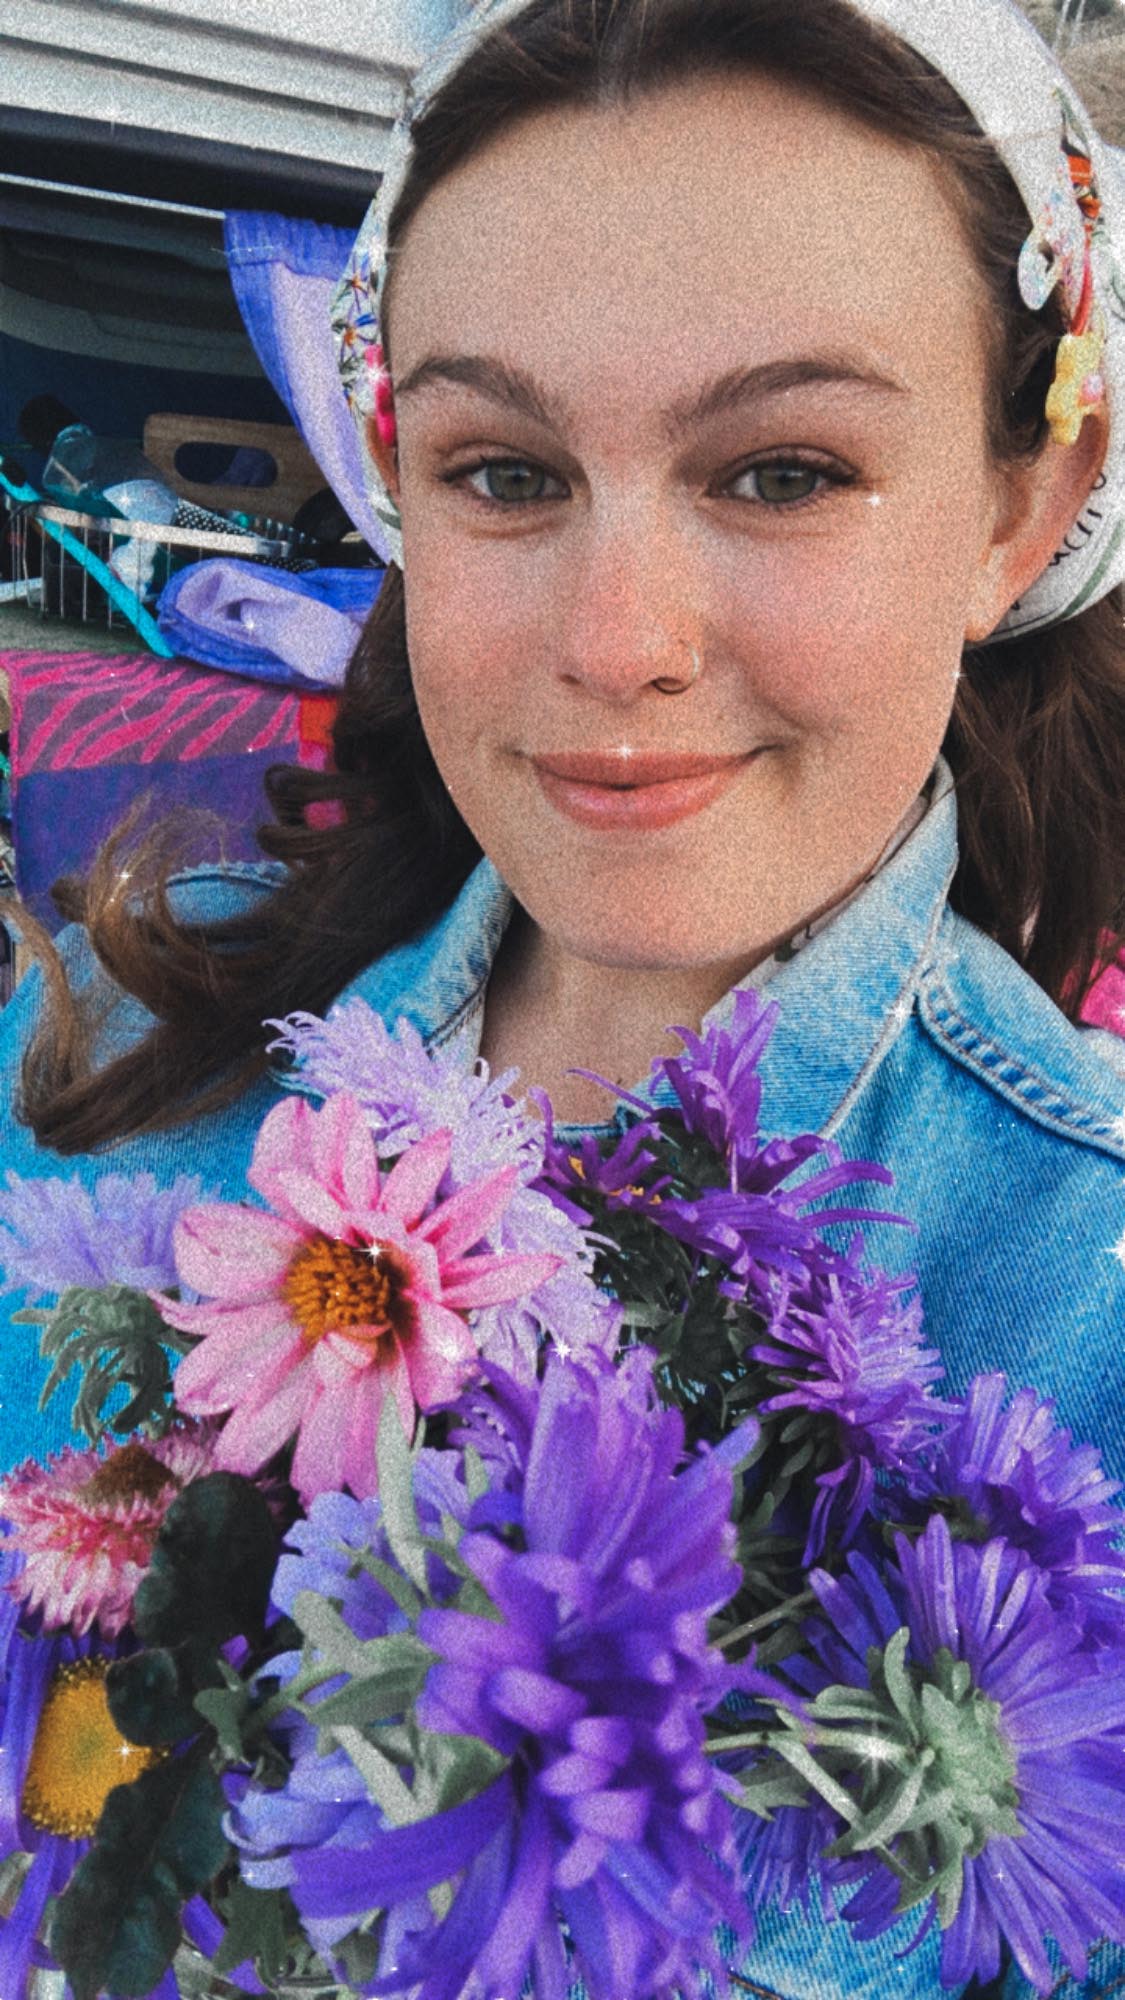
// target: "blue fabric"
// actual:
[[259, 623], [909, 1037], [255, 242], [284, 273]]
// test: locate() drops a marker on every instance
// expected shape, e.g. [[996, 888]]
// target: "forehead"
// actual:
[[739, 209]]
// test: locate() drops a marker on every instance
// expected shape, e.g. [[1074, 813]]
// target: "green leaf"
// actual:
[[227, 1710], [116, 1338], [212, 1566], [151, 1694], [384, 1785], [257, 1922], [389, 1670], [395, 1463], [159, 1841]]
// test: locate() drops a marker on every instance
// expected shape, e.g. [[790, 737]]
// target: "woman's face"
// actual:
[[707, 371]]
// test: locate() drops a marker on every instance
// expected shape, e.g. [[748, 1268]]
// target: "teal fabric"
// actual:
[[906, 1035]]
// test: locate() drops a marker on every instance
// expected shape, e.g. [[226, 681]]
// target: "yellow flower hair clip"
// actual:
[[1060, 251], [1078, 386]]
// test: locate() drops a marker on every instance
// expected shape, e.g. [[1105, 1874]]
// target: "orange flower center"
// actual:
[[79, 1754], [333, 1287]]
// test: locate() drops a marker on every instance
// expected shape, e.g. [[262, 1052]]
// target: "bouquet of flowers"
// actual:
[[538, 1561]]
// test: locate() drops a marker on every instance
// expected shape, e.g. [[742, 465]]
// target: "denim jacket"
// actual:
[[906, 1035]]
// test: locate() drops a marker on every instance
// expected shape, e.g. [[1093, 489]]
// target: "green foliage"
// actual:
[[212, 1566], [159, 1841], [915, 1764], [151, 1695], [116, 1338], [258, 1923]]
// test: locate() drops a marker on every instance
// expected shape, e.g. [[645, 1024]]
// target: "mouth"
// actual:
[[635, 791]]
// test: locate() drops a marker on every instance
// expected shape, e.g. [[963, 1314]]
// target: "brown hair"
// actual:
[[1036, 740]]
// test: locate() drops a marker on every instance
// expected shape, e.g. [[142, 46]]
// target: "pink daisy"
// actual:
[[87, 1520], [355, 1285]]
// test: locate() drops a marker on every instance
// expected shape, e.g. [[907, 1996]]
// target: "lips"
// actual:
[[624, 769], [635, 793]]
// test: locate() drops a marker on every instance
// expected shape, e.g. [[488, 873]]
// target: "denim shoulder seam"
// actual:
[[1028, 1089]]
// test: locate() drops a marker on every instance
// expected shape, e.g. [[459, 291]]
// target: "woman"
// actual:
[[755, 621]]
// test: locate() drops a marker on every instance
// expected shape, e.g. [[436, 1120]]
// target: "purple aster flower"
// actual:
[[781, 1858], [983, 1746], [1005, 1466], [618, 1172], [846, 1347], [60, 1756], [719, 1091], [592, 1680], [716, 1080], [55, 1233]]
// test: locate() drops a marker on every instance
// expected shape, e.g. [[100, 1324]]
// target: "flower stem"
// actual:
[[765, 1618]]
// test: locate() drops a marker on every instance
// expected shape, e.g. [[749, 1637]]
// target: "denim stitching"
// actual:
[[892, 1028], [449, 1028], [1025, 1088]]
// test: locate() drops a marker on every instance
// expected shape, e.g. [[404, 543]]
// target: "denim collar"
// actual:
[[844, 999]]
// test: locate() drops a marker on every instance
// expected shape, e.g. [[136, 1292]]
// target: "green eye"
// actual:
[[511, 479], [780, 483]]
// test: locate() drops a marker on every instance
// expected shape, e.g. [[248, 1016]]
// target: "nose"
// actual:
[[629, 619]]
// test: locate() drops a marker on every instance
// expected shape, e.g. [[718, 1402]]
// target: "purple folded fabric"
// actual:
[[268, 624]]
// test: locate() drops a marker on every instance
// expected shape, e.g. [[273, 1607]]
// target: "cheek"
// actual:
[[857, 638]]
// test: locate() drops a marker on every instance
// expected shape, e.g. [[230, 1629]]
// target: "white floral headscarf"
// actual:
[[1010, 81]]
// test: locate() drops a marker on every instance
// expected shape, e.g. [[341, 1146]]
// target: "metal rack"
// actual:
[[74, 578]]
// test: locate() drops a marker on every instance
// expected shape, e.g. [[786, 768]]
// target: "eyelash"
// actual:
[[834, 477]]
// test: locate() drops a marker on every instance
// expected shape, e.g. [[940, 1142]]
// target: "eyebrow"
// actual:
[[517, 390]]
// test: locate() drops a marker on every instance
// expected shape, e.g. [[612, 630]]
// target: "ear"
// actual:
[[1038, 504], [385, 457]]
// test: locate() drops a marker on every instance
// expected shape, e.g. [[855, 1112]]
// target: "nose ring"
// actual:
[[667, 684]]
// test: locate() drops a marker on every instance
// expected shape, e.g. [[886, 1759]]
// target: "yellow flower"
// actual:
[[1077, 387]]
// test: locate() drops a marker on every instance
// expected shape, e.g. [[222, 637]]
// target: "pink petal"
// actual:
[[343, 1151], [283, 1138], [265, 1421], [318, 1462], [468, 1215], [359, 1462], [308, 1198], [395, 1375], [440, 1358], [412, 1182], [230, 1252], [223, 1369], [491, 1281], [447, 1333]]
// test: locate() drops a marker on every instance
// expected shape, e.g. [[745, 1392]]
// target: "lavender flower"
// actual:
[[592, 1682], [982, 1747], [55, 1233], [1008, 1468], [408, 1092]]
